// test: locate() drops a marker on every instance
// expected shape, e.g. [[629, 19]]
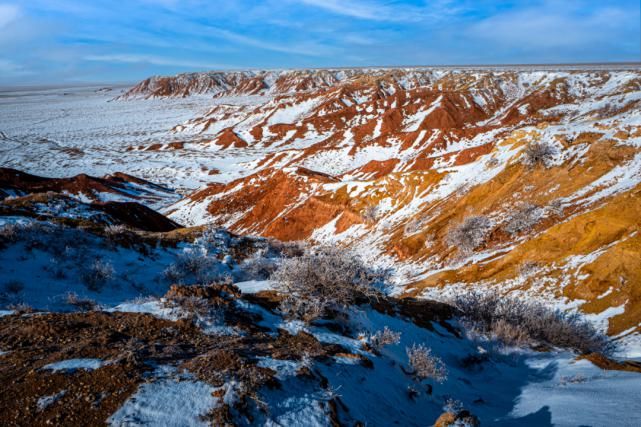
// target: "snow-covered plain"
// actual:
[[68, 131]]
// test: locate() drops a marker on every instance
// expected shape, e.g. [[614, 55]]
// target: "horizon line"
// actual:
[[573, 66]]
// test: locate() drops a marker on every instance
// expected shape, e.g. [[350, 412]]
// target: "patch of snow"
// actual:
[[71, 365], [292, 114], [155, 307], [574, 393], [254, 286], [171, 400], [45, 401], [300, 411], [283, 368], [413, 122]]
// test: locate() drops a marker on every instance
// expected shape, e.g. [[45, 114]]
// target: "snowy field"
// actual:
[[67, 131]]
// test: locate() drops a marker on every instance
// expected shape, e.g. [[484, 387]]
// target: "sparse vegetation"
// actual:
[[371, 213], [556, 208], [424, 364], [524, 219], [192, 263], [259, 266], [323, 279], [539, 154], [83, 304], [528, 267], [383, 338], [115, 230], [97, 274], [288, 249], [20, 308], [412, 226], [518, 322], [471, 234], [493, 162]]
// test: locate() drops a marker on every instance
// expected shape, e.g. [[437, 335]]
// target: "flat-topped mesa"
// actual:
[[183, 85], [275, 82]]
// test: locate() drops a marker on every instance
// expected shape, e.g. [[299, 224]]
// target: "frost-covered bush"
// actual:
[[412, 226], [322, 279], [259, 266], [115, 230], [527, 268], [556, 208], [371, 213], [470, 234], [424, 364], [212, 241], [519, 322], [524, 219], [384, 337], [192, 263], [84, 304], [8, 232], [118, 233], [539, 154], [20, 308], [97, 274], [32, 233], [288, 249], [200, 262]]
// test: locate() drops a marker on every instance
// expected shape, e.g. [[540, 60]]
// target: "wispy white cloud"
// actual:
[[391, 11], [154, 60], [351, 8], [308, 49]]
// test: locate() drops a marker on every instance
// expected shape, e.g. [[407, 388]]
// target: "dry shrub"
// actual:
[[424, 364], [287, 249], [21, 308], [519, 322], [116, 230], [539, 154], [323, 279], [385, 337], [191, 263], [32, 233], [556, 208], [97, 274], [528, 268], [413, 226], [84, 304], [470, 234], [493, 162], [371, 213], [259, 266], [524, 219]]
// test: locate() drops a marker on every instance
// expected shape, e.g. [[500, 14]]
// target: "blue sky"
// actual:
[[48, 41]]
